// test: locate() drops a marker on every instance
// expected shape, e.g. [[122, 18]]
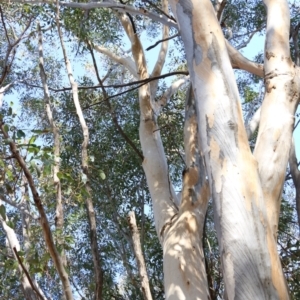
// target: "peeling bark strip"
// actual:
[[247, 252], [139, 256]]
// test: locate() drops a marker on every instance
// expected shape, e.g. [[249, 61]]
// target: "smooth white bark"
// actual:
[[125, 61], [184, 264], [240, 216], [178, 231], [282, 86]]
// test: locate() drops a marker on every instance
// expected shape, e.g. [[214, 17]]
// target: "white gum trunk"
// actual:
[[240, 215], [184, 262], [179, 231], [282, 87]]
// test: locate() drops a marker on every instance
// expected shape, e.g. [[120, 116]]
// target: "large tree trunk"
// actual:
[[179, 229], [247, 247]]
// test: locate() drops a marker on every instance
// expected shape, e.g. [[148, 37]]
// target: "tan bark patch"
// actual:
[[269, 55]]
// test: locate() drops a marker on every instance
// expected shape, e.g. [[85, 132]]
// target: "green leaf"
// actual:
[[6, 128], [3, 211], [47, 170], [9, 174], [21, 253], [84, 192], [20, 134], [33, 149], [10, 224], [65, 176], [41, 131], [60, 175], [32, 139], [102, 174]]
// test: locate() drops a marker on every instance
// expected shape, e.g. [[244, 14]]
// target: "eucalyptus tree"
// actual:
[[244, 179]]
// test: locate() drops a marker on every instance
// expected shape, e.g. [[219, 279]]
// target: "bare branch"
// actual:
[[19, 207], [2, 91], [125, 61], [139, 256], [4, 26], [244, 44], [108, 4], [113, 114], [219, 8], [160, 10], [162, 40], [11, 49], [162, 54], [277, 114], [155, 163], [141, 82], [27, 274], [238, 61], [175, 86], [28, 288]]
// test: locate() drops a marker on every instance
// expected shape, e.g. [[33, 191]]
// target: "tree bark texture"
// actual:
[[177, 229], [248, 249]]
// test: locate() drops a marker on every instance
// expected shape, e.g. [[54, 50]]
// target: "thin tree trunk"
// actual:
[[59, 218], [85, 170], [139, 256], [282, 89]]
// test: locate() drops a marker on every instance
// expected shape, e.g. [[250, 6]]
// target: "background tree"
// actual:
[[194, 149]]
